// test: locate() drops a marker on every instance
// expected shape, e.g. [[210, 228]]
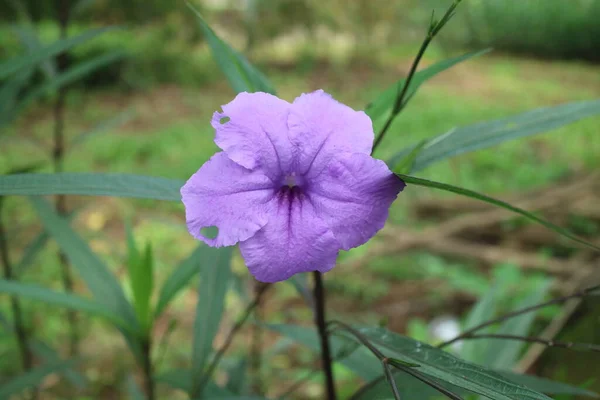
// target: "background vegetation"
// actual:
[[144, 105]]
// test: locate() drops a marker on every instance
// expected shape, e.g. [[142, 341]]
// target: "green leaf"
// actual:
[[360, 360], [49, 355], [65, 300], [71, 75], [382, 105], [546, 385], [180, 277], [214, 282], [503, 354], [486, 134], [448, 368], [141, 279], [242, 76], [101, 282], [484, 309], [469, 193], [409, 387], [134, 391], [32, 378], [33, 248], [407, 163], [90, 184], [104, 126], [21, 63]]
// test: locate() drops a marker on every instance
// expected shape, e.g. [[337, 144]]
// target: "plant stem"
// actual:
[[148, 369], [58, 155], [502, 318], [400, 102], [260, 291], [20, 331], [319, 293]]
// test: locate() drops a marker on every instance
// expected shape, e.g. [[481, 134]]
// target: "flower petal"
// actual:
[[230, 197], [252, 130], [294, 240], [321, 127], [353, 195]]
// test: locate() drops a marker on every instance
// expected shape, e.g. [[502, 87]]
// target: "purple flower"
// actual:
[[294, 184]]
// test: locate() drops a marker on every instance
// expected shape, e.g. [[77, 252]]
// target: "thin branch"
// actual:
[[399, 103], [390, 378], [534, 339], [148, 368], [321, 324], [58, 157], [19, 326], [232, 333], [502, 318], [256, 344]]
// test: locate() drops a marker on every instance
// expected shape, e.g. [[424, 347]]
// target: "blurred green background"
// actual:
[[149, 111]]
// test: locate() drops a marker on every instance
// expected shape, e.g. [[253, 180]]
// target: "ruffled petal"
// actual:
[[252, 130], [321, 127], [353, 195], [228, 196], [294, 240]]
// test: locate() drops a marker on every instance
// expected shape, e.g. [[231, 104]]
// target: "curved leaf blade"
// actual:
[[486, 134], [65, 300], [470, 193], [32, 378], [382, 105], [179, 278], [91, 184], [448, 368], [101, 282], [20, 63], [214, 283], [242, 76]]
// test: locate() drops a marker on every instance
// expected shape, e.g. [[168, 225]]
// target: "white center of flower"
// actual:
[[291, 180]]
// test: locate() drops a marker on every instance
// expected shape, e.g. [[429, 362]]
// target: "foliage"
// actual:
[[374, 354]]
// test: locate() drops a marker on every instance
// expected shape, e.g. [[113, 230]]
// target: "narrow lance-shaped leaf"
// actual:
[[71, 75], [546, 385], [447, 368], [469, 193], [90, 184], [503, 354], [382, 106], [214, 282], [101, 282], [65, 300], [32, 378], [20, 63], [141, 274], [242, 76], [50, 355], [486, 134], [483, 310], [180, 277]]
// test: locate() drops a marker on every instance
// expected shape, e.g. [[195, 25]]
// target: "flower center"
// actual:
[[292, 180]]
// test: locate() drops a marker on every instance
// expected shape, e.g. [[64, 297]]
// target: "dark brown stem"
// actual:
[[148, 369], [502, 318], [261, 289], [19, 326], [321, 324], [58, 156]]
